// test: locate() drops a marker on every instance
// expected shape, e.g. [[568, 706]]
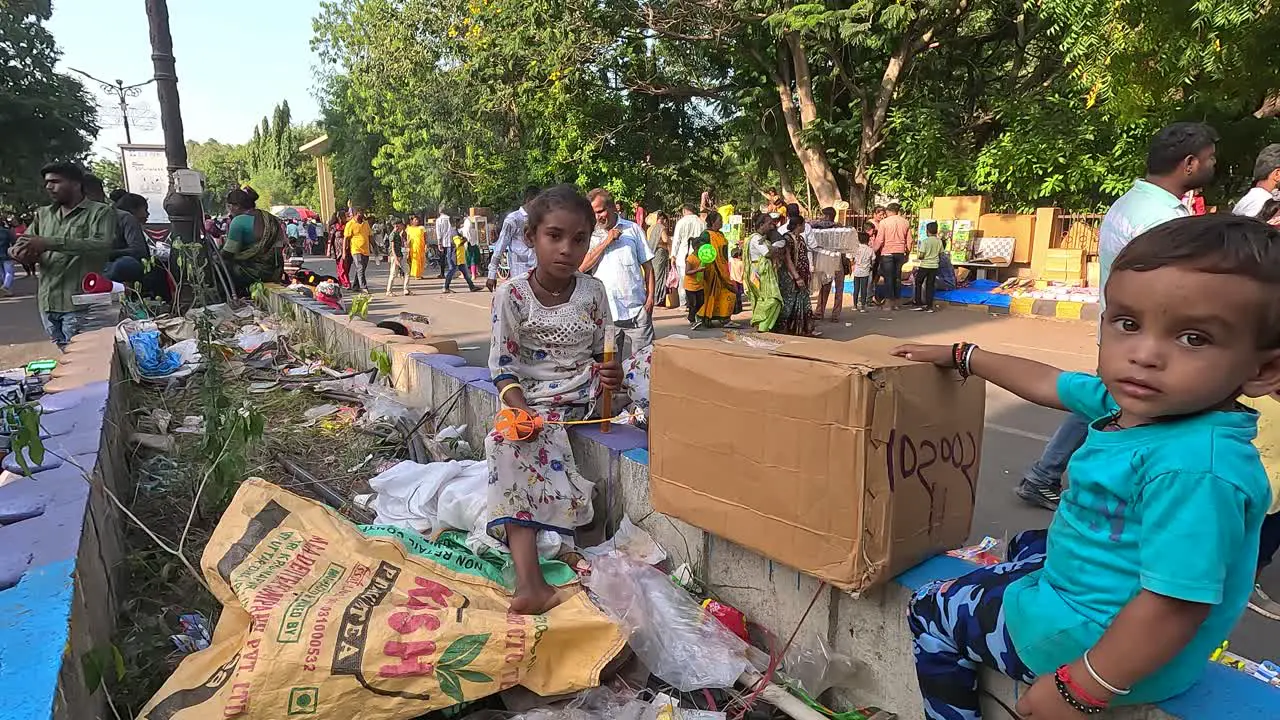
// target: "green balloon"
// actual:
[[706, 254]]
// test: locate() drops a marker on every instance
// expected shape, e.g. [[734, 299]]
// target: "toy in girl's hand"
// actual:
[[707, 254], [517, 424]]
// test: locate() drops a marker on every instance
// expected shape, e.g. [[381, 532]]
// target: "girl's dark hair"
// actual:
[[558, 197], [130, 202], [793, 211], [1217, 243], [712, 217], [759, 220], [1269, 210], [245, 198]]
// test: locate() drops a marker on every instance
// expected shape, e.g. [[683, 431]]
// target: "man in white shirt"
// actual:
[[1182, 157], [621, 259], [513, 243], [688, 227], [1266, 178], [444, 232]]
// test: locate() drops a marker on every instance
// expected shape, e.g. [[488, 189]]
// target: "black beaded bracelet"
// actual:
[[1065, 692]]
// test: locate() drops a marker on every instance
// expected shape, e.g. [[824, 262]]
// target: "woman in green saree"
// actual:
[[254, 248], [762, 277]]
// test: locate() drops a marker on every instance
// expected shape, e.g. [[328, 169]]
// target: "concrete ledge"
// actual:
[[871, 628], [60, 538]]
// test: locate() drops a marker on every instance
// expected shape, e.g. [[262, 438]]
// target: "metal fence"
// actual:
[[1078, 231]]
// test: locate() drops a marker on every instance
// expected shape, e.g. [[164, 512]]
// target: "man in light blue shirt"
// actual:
[[513, 244], [621, 259], [1182, 157]]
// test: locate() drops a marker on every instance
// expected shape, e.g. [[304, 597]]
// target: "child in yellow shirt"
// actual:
[[693, 286], [1268, 444]]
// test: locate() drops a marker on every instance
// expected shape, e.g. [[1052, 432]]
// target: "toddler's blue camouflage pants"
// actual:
[[959, 625]]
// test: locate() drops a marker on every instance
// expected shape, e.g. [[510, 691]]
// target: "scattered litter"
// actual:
[[816, 668], [263, 387], [633, 542], [452, 440], [193, 424], [729, 616], [159, 443], [195, 634], [162, 418], [684, 646], [367, 458], [251, 337], [313, 415], [985, 553]]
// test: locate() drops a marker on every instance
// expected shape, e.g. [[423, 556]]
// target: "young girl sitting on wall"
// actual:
[[549, 329]]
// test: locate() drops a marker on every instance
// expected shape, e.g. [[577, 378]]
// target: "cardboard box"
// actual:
[[834, 458]]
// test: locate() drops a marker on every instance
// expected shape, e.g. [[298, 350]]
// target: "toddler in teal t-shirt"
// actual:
[[1151, 556]]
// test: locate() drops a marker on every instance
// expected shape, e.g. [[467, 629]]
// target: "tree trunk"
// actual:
[[817, 168], [784, 175], [875, 117]]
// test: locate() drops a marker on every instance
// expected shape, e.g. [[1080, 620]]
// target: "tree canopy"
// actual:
[[44, 115], [1035, 103], [270, 163]]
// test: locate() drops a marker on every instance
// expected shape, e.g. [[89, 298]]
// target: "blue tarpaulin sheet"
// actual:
[[976, 293]]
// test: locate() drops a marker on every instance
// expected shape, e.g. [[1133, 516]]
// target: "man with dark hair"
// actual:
[[118, 193], [1182, 157], [893, 235], [131, 246], [512, 243], [1266, 178], [69, 237], [621, 259]]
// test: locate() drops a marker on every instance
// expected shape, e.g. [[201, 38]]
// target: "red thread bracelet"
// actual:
[[1064, 674]]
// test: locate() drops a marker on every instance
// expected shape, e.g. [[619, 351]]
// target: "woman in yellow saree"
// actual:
[[719, 290], [417, 247]]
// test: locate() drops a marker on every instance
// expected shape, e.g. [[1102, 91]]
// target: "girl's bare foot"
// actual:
[[534, 599]]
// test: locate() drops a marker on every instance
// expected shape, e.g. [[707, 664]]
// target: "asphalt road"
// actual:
[[22, 339], [1015, 430]]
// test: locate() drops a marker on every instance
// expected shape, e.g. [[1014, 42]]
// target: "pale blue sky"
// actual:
[[236, 60]]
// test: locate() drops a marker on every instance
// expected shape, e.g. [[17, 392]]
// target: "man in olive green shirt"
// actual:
[[69, 238]]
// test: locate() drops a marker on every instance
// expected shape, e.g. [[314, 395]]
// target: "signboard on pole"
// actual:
[[146, 172]]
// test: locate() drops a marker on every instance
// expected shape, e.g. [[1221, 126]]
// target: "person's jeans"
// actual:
[[861, 290], [124, 270], [454, 269], [926, 284], [960, 624], [1270, 541], [61, 326], [891, 268], [1066, 440], [638, 333], [360, 272], [6, 271]]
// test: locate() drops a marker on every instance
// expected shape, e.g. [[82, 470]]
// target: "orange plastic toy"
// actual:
[[516, 424]]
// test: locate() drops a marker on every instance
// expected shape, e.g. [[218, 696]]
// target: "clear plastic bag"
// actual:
[[816, 668], [600, 703], [679, 642]]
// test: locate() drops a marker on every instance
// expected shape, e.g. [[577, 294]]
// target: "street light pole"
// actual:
[[124, 112], [182, 209], [123, 92]]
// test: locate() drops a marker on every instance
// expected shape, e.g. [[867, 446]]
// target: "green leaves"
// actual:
[[100, 663], [451, 668], [25, 442], [462, 651]]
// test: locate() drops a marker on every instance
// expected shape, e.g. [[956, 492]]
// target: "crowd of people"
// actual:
[[1169, 513]]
